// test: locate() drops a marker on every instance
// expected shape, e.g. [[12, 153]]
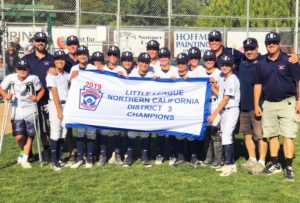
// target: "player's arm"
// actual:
[[221, 105], [257, 93], [56, 102], [38, 97], [5, 95]]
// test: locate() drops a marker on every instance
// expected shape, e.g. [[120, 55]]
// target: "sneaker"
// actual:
[[230, 169], [289, 174], [172, 160], [71, 161], [26, 164], [159, 159], [258, 168], [146, 163], [19, 159], [102, 161], [77, 164], [178, 162], [222, 168], [206, 163], [272, 169], [194, 163], [55, 166], [112, 159], [248, 164], [128, 162], [61, 163], [89, 163], [216, 165], [118, 160]]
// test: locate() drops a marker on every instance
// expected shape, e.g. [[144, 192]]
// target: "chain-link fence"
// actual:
[[177, 24]]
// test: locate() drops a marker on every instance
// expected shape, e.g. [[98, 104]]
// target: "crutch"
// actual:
[[5, 117], [36, 122]]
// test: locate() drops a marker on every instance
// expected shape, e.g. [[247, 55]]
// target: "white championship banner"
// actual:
[[104, 100]]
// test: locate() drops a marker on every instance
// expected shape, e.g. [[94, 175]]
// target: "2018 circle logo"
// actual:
[[89, 98]]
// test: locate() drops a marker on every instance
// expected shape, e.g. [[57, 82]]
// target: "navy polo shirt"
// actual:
[[69, 64], [39, 67], [246, 74], [229, 51], [278, 78]]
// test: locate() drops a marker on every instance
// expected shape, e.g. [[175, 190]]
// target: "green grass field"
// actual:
[[162, 183]]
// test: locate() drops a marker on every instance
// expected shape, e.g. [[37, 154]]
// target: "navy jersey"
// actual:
[[69, 64]]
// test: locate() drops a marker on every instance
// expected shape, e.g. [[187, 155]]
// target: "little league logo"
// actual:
[[89, 98]]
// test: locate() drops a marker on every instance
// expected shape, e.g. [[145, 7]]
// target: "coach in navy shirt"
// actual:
[[72, 43], [39, 62], [216, 44], [250, 125], [276, 78]]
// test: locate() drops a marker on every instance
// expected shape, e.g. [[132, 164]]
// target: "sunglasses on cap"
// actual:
[[40, 40], [272, 42], [22, 68], [216, 40]]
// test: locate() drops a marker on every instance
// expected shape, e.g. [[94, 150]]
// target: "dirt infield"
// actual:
[[8, 129]]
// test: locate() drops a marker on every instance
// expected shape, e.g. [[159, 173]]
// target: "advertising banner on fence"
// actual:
[[105, 100], [136, 41], [184, 40], [235, 40]]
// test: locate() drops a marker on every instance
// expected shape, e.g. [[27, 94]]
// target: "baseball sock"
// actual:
[[129, 147], [117, 151], [117, 144], [193, 146], [103, 144], [172, 145], [144, 146], [180, 146], [274, 159], [262, 162], [80, 145], [228, 149], [90, 147], [288, 162], [53, 146], [60, 147], [160, 142], [25, 157], [103, 150]]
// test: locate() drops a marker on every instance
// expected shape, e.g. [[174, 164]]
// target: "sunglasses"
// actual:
[[22, 68], [208, 59], [116, 55], [249, 49], [40, 40], [272, 42], [216, 40]]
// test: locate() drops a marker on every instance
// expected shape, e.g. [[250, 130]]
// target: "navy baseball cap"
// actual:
[[22, 64], [127, 55], [97, 56], [194, 52], [72, 40], [59, 54], [209, 55], [164, 52], [153, 44], [182, 58], [114, 50], [82, 50], [272, 37], [227, 60], [215, 34], [250, 43], [40, 36], [144, 57]]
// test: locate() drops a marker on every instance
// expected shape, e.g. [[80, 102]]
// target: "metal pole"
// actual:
[[78, 18], [33, 17], [3, 37], [118, 23], [170, 21], [296, 28], [248, 17]]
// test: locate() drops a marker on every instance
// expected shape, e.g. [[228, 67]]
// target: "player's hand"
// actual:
[[293, 58], [155, 77], [211, 118], [185, 77], [212, 81], [74, 74], [298, 106], [60, 115], [33, 98], [8, 96], [173, 78], [121, 73], [52, 71], [258, 112]]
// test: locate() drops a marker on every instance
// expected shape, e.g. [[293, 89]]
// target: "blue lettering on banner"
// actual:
[[151, 116]]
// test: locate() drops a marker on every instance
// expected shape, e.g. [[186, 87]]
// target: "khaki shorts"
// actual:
[[250, 124], [279, 118]]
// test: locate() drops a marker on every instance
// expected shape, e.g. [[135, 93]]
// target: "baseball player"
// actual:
[[194, 59], [59, 87], [152, 50], [113, 55], [97, 60], [22, 112], [127, 61], [82, 54], [141, 72], [228, 107], [212, 137], [216, 44], [166, 71]]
